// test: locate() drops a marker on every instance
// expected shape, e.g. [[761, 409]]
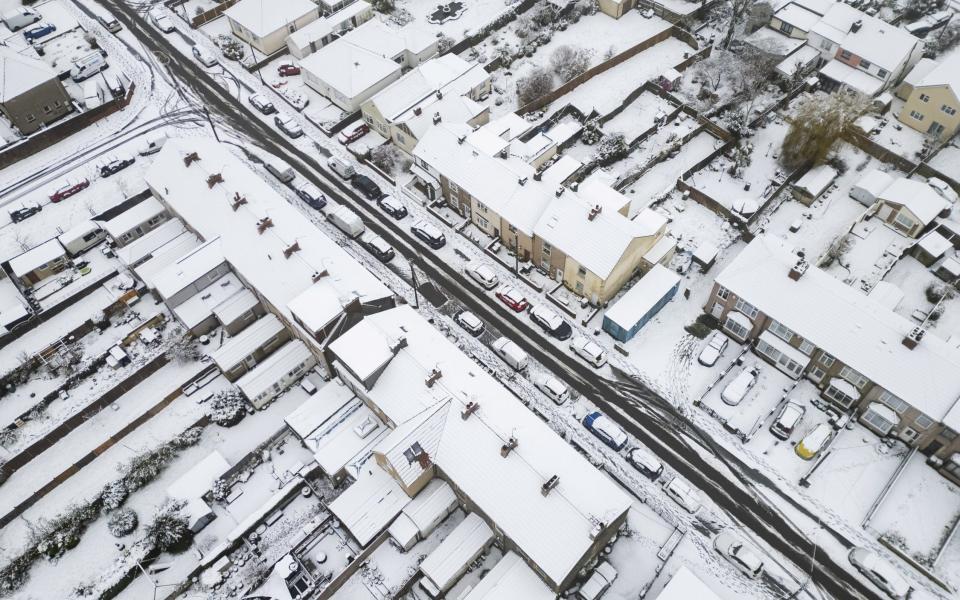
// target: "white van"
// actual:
[[346, 221], [20, 18], [88, 66], [154, 143], [341, 167], [279, 169], [92, 94], [511, 353]]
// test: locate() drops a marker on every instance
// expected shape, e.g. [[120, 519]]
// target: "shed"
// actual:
[[512, 578], [705, 255], [930, 248], [641, 302], [947, 269], [444, 566], [370, 504], [870, 186], [814, 183], [422, 515], [190, 488]]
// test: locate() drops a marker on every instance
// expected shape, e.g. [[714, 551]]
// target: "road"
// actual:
[[650, 418]]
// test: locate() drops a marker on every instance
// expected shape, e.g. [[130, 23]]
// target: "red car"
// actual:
[[288, 70], [348, 136], [513, 298], [68, 190]]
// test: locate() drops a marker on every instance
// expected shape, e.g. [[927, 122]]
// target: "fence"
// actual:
[[204, 17]]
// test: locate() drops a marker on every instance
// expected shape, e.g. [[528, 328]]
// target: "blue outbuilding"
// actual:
[[631, 312]]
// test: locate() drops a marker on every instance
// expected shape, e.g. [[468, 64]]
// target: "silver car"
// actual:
[[713, 350], [483, 274]]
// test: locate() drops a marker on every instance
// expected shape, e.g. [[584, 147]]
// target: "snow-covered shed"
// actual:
[[317, 410], [511, 579], [81, 237], [930, 248], [190, 488], [909, 206], [245, 350], [422, 515], [135, 221], [370, 504], [324, 30], [443, 567], [142, 248], [684, 585], [275, 374], [869, 187], [40, 262], [265, 24], [238, 311], [814, 183], [12, 315], [705, 255], [635, 308]]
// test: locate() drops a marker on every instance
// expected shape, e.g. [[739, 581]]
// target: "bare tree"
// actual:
[[819, 120], [535, 84], [739, 9]]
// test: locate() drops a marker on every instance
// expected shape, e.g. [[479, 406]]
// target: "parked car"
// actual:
[[152, 144], [880, 572], [604, 428], [589, 351], [815, 441], [378, 247], [42, 30], [288, 70], [69, 189], [262, 104], [711, 353], [392, 207], [483, 274], [21, 214], [684, 495], [429, 234], [17, 19], [366, 186], [279, 168], [513, 298], [288, 125], [163, 23], [348, 136], [511, 353], [110, 24], [346, 221], [598, 583], [735, 391], [551, 322], [787, 420], [470, 322], [311, 194], [116, 165], [87, 66], [553, 388], [942, 188], [204, 56], [645, 462], [746, 559]]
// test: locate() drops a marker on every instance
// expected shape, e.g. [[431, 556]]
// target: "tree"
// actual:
[[384, 6], [818, 121], [535, 84], [915, 9], [183, 348], [947, 38], [738, 10], [612, 147], [388, 158], [758, 17], [169, 530], [444, 43], [220, 490], [227, 408], [568, 62], [122, 522]]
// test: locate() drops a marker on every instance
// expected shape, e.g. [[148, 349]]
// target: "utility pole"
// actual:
[[413, 276], [206, 111]]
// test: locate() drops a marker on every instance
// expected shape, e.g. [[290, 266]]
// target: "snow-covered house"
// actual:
[[796, 18], [136, 221], [141, 249], [443, 567], [324, 30], [31, 95], [451, 420], [914, 77], [242, 352], [190, 274], [40, 262], [351, 70], [901, 380], [933, 104], [279, 371], [238, 310], [446, 88], [265, 25], [909, 206]]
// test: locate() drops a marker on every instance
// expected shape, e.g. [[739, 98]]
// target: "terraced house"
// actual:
[[899, 380]]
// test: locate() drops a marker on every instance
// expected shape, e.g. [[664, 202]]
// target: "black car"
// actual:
[[24, 213], [378, 247], [551, 322], [116, 165], [262, 104], [392, 207], [429, 234], [310, 194], [366, 186]]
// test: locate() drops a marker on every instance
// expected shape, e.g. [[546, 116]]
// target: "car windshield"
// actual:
[[552, 319], [485, 271]]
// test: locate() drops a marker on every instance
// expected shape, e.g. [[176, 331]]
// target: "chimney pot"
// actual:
[[469, 409], [798, 269], [549, 485], [508, 447]]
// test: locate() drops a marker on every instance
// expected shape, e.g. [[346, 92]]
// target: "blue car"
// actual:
[[35, 33], [605, 429]]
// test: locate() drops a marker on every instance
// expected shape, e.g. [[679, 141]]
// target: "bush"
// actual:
[[936, 292], [389, 159], [122, 522], [697, 330], [227, 408], [568, 62], [444, 43], [537, 83], [169, 531], [62, 533], [114, 494], [183, 348], [220, 490], [611, 148], [231, 47]]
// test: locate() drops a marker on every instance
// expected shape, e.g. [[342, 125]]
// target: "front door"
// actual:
[[717, 310], [935, 128]]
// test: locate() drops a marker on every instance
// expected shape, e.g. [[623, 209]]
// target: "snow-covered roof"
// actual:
[[798, 16], [318, 408], [362, 357], [642, 297], [36, 257], [430, 504], [934, 244], [20, 74], [841, 320], [263, 17], [319, 304], [819, 7], [836, 22], [199, 307], [349, 69], [166, 255], [144, 246], [236, 305], [13, 313], [273, 368], [552, 530], [920, 71], [773, 42], [78, 231], [510, 579], [804, 56], [561, 170], [245, 343], [257, 257], [346, 438], [199, 479], [331, 23], [599, 192], [684, 585], [664, 245], [133, 217], [851, 77], [874, 182], [450, 109], [815, 181], [187, 269], [446, 563], [446, 75], [946, 73], [887, 294], [879, 42], [367, 507], [918, 197], [389, 41]]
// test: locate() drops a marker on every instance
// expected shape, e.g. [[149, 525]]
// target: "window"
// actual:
[[777, 328], [581, 272], [922, 422], [882, 73], [787, 28], [826, 360], [512, 228], [898, 405], [909, 435], [735, 328], [949, 110], [952, 466], [401, 139], [784, 362], [31, 118], [845, 54], [916, 116], [825, 44], [877, 422], [853, 376], [546, 248], [481, 222], [807, 347], [579, 287], [746, 308], [412, 453], [839, 397], [722, 292], [903, 220], [865, 64], [47, 109], [924, 98], [454, 188], [817, 374], [948, 434]]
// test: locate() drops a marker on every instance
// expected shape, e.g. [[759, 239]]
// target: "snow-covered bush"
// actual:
[[915, 9], [182, 347], [169, 529], [220, 490], [587, 7], [227, 408], [144, 467], [535, 84], [612, 147], [936, 292], [14, 574], [231, 47], [122, 522], [53, 538], [114, 494], [383, 6], [741, 157], [947, 39], [389, 159], [444, 43], [591, 133], [568, 62]]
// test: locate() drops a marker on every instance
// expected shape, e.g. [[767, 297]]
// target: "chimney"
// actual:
[[398, 344], [505, 152], [190, 159], [238, 201], [264, 224], [508, 447], [856, 26], [417, 110], [597, 530], [435, 375], [469, 409], [439, 95], [913, 338], [537, 176], [318, 275], [214, 180], [424, 459], [549, 485], [559, 191], [436, 118], [288, 252], [522, 180], [594, 211], [461, 139], [798, 269]]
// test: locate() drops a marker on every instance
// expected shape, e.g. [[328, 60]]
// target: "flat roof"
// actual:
[[273, 368], [370, 504], [446, 563], [133, 217], [324, 26], [642, 297], [318, 408], [510, 579], [189, 268], [144, 246], [165, 256], [199, 307], [236, 305], [816, 180], [245, 343], [347, 438], [36, 257]]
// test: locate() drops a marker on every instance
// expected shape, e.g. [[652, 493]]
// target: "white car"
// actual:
[[716, 344], [204, 56], [163, 23], [737, 389], [941, 187], [589, 351], [553, 388], [470, 322], [684, 495], [740, 555], [880, 572], [287, 124], [483, 274]]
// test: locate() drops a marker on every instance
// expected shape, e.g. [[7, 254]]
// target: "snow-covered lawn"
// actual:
[[894, 135], [662, 177], [871, 249], [639, 116], [913, 279], [478, 13], [947, 161]]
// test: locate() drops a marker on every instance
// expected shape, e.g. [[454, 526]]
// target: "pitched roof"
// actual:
[[348, 68], [20, 74], [921, 199], [446, 75], [324, 26], [875, 40], [263, 17], [946, 73]]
